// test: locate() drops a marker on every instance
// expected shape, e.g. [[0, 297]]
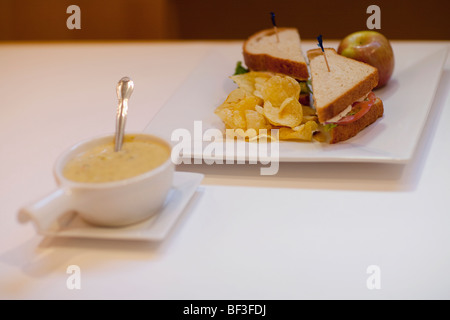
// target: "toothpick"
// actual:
[[272, 15], [319, 39], [326, 60]]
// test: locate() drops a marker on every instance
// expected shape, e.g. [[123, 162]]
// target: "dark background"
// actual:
[[213, 19]]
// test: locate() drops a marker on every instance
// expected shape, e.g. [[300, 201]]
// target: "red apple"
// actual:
[[372, 48]]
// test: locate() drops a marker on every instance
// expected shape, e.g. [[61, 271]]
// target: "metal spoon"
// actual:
[[124, 90]]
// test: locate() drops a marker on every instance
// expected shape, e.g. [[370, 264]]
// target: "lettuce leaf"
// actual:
[[240, 69]]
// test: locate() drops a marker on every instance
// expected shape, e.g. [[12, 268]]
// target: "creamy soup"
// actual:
[[103, 164]]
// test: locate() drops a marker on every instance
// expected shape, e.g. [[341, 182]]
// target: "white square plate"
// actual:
[[154, 229], [407, 101]]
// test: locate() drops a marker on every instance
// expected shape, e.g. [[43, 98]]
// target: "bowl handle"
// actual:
[[46, 211]]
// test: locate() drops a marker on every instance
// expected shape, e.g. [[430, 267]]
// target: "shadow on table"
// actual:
[[39, 257]]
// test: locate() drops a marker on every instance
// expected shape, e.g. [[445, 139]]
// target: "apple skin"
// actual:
[[372, 48]]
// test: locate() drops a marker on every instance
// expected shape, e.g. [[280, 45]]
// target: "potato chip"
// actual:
[[226, 115], [232, 111], [255, 120], [289, 114], [321, 136], [236, 95], [251, 135], [266, 101], [260, 110], [310, 118], [248, 103], [248, 80], [239, 120], [246, 134], [279, 88], [308, 111], [309, 114], [302, 132]]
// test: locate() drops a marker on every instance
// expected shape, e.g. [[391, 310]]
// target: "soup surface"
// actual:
[[103, 164]]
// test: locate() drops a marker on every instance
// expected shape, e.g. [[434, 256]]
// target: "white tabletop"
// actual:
[[311, 231]]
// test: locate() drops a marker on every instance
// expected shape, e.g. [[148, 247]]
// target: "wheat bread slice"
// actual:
[[345, 131], [347, 81], [263, 52]]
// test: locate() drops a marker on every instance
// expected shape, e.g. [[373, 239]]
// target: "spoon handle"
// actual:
[[120, 124], [124, 90]]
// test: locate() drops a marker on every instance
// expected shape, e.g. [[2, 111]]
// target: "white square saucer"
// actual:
[[153, 229]]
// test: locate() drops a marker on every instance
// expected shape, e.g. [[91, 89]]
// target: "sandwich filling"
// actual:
[[355, 111]]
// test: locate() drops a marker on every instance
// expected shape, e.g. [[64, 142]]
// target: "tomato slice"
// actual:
[[359, 109]]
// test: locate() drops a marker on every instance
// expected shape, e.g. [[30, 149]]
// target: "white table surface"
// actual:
[[311, 231]]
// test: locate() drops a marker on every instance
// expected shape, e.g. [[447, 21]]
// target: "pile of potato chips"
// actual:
[[266, 101]]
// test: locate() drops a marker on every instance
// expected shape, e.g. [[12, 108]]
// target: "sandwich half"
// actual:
[[343, 97], [264, 51]]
